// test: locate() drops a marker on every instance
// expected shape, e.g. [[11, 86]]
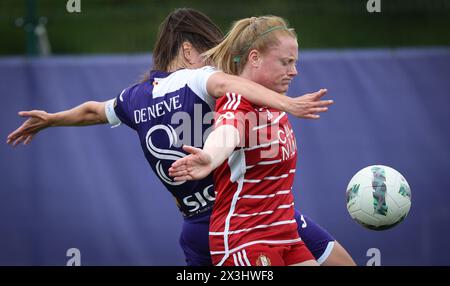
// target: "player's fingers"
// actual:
[[28, 139], [10, 138], [22, 139], [24, 113], [311, 116], [183, 178], [16, 141], [322, 103], [318, 94], [190, 149], [19, 140], [184, 164], [178, 173], [318, 109], [173, 171], [15, 134], [179, 163], [31, 113]]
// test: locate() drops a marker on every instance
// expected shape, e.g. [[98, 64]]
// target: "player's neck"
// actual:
[[247, 74], [176, 64]]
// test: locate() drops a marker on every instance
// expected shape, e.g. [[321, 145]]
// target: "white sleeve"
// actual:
[[198, 80], [111, 114]]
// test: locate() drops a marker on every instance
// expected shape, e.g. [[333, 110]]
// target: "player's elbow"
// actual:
[[218, 84]]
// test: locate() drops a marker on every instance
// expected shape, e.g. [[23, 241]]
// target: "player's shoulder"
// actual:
[[193, 78], [208, 69], [187, 74], [136, 95], [205, 69]]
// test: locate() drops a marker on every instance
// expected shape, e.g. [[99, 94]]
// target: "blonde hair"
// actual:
[[245, 35]]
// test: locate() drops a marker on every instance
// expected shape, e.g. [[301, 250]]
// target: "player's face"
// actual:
[[278, 65]]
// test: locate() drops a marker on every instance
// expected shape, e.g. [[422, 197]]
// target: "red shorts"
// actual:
[[268, 255]]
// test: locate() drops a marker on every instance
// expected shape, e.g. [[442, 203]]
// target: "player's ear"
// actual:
[[254, 58], [187, 48]]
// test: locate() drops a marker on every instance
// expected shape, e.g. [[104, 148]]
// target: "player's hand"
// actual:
[[37, 121], [309, 105], [195, 166]]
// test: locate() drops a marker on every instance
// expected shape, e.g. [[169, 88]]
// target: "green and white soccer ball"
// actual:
[[378, 197]]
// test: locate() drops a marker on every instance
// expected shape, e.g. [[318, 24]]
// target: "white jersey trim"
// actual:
[[252, 243], [264, 163], [236, 163], [265, 212], [271, 123], [240, 258], [271, 178], [244, 253], [277, 223], [235, 260], [262, 145], [285, 192], [111, 114], [326, 253], [233, 101]]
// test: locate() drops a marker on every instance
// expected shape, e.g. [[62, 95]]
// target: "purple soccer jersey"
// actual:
[[168, 111]]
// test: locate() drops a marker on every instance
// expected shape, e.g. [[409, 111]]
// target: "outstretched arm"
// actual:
[[307, 106], [200, 163], [88, 113]]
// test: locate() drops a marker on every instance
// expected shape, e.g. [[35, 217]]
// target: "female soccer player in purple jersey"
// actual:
[[179, 82]]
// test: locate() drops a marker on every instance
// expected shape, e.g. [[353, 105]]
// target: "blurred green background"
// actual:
[[115, 26]]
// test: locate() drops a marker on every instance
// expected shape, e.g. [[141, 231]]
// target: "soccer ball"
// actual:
[[378, 197]]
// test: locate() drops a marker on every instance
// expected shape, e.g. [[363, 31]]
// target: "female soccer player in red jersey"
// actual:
[[254, 151]]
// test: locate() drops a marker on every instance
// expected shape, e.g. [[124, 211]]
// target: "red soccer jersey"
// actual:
[[254, 202]]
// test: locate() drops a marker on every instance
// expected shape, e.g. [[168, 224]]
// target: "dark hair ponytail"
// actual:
[[181, 25]]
